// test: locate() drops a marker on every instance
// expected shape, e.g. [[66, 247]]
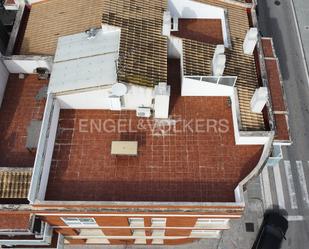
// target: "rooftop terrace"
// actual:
[[192, 164], [18, 109]]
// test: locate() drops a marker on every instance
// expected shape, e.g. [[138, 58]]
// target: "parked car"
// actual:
[[272, 231]]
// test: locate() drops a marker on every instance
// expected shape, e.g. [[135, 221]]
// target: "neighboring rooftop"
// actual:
[[185, 166], [16, 221], [198, 55], [143, 50], [279, 106], [203, 30], [14, 183], [82, 61], [19, 107]]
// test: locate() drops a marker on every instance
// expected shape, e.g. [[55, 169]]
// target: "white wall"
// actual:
[[137, 96], [174, 48], [95, 99], [192, 9], [192, 87], [45, 150], [27, 65], [4, 75], [34, 1], [50, 144]]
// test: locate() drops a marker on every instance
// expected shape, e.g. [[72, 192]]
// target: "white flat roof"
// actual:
[[82, 63]]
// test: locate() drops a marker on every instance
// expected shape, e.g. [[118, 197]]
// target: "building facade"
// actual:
[[134, 122]]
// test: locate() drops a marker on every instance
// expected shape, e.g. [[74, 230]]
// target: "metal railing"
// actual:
[[219, 80]]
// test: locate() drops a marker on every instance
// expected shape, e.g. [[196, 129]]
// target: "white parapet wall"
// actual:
[[45, 150], [197, 87], [4, 75], [27, 64], [34, 1], [192, 87], [99, 98]]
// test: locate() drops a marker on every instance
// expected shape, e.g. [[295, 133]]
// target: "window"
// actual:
[[79, 222], [205, 234]]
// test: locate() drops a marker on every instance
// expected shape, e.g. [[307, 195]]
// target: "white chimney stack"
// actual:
[[167, 23], [259, 100], [218, 61], [162, 100], [250, 41]]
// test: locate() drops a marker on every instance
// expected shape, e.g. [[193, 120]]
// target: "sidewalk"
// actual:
[[301, 13], [235, 238]]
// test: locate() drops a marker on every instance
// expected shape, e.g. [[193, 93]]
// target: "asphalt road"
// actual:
[[276, 20]]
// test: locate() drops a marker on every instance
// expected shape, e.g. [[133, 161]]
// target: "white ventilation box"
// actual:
[[259, 100], [115, 103], [143, 112], [162, 100], [218, 61], [250, 41], [166, 27], [11, 4], [174, 24]]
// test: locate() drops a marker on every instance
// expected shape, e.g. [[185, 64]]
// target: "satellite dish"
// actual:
[[119, 89]]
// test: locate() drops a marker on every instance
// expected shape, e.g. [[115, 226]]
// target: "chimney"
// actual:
[[259, 100], [218, 61], [250, 41], [162, 100], [167, 24]]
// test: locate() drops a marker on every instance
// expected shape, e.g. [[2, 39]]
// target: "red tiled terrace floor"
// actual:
[[187, 166], [18, 108], [203, 30]]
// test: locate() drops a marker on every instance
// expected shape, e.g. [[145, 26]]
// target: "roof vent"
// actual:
[[218, 61], [91, 33], [250, 41]]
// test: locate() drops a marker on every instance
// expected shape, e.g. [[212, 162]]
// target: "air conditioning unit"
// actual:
[[143, 112]]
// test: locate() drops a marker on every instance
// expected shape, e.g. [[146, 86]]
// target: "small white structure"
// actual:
[[218, 61], [27, 64], [4, 75], [162, 100], [167, 23], [259, 100], [82, 63], [11, 4], [250, 41]]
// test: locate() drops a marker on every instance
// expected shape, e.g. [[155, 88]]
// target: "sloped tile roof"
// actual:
[[15, 182]]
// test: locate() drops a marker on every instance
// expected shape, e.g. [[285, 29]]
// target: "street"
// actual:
[[288, 182]]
